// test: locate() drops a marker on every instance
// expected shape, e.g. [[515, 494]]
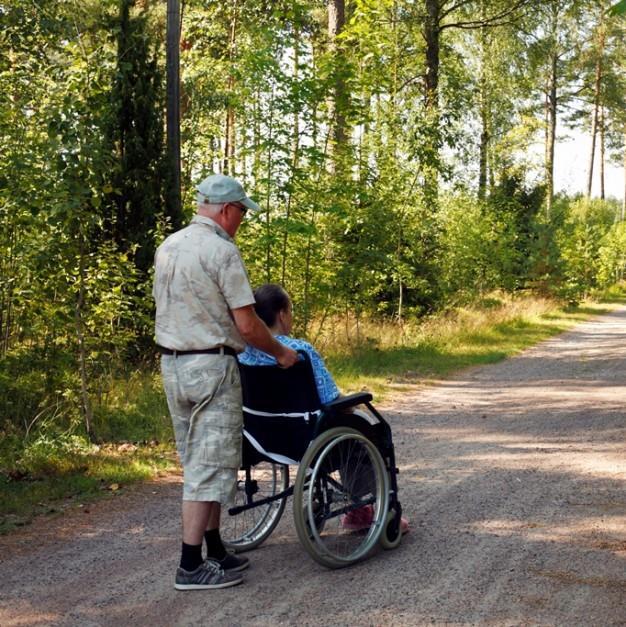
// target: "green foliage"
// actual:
[[73, 295], [619, 8], [585, 228], [133, 409], [36, 391], [137, 179], [480, 247], [53, 455], [612, 255]]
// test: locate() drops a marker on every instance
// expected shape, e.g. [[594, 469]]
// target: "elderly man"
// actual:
[[204, 317]]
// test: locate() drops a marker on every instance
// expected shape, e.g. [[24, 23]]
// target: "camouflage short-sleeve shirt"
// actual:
[[199, 277]]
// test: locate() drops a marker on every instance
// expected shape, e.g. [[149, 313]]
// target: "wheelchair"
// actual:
[[345, 460]]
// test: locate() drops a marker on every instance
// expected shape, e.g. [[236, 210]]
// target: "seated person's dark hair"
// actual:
[[270, 300]]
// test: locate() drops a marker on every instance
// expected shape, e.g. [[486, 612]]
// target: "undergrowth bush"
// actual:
[[42, 433], [132, 408], [591, 247], [53, 454]]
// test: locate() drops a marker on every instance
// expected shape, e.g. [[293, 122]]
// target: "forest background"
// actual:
[[389, 143]]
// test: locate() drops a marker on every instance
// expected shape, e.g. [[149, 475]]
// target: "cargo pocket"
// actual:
[[222, 445]]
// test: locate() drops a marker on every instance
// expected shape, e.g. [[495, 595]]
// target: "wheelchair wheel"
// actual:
[[391, 536], [248, 529], [341, 472]]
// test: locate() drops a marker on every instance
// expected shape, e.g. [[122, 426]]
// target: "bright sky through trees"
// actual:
[[571, 165]]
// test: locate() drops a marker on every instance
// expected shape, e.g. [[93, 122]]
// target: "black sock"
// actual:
[[214, 547], [191, 557]]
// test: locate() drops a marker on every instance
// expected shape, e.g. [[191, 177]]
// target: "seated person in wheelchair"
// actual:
[[274, 307]]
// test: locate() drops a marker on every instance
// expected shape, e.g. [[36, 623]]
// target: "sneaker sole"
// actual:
[[211, 586]]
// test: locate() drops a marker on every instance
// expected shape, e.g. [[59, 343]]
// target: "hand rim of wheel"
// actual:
[[377, 528]]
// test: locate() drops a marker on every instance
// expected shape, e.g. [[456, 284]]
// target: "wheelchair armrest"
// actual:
[[343, 402]]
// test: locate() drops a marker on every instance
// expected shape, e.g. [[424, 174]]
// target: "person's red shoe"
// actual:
[[404, 525], [358, 519], [362, 518]]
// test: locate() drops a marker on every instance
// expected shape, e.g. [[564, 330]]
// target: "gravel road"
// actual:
[[514, 479]]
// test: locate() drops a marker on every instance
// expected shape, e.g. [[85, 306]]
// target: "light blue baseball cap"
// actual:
[[219, 188]]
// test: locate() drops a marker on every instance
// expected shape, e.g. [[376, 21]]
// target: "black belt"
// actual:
[[218, 350]]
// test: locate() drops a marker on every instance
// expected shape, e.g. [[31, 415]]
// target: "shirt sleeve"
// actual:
[[234, 283]]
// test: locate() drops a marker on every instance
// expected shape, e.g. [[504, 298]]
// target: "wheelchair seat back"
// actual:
[[281, 411], [280, 390]]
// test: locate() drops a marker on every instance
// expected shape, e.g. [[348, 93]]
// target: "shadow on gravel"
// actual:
[[517, 488], [517, 524]]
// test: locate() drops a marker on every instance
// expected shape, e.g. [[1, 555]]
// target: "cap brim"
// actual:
[[250, 204]]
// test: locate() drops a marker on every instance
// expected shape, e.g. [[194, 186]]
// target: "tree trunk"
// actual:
[[602, 153], [484, 151], [597, 88], [173, 111], [80, 336], [268, 218], [336, 116], [594, 125], [295, 154], [430, 167], [6, 301], [364, 145], [552, 105], [394, 144], [256, 141], [624, 199], [552, 108], [309, 261], [592, 151], [431, 37], [484, 115], [228, 166], [551, 135]]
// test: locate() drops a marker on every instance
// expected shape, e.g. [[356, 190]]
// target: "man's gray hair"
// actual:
[[210, 208]]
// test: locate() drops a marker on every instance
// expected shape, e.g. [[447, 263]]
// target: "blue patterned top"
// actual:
[[326, 386]]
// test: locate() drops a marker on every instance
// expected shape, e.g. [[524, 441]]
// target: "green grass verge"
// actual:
[[48, 470], [437, 353], [92, 474]]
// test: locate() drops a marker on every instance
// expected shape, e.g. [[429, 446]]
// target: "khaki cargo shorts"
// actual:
[[204, 398]]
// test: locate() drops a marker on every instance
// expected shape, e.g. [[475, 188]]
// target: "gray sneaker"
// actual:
[[208, 576], [233, 563]]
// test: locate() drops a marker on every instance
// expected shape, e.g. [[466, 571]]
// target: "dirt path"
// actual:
[[513, 476]]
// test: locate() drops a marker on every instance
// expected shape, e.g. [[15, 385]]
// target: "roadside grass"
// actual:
[[131, 407], [383, 362], [49, 471], [614, 294], [98, 471]]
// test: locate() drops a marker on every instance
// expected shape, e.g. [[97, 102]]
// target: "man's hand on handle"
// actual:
[[288, 358]]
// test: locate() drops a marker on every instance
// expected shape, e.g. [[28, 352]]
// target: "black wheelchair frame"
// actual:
[[346, 462]]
